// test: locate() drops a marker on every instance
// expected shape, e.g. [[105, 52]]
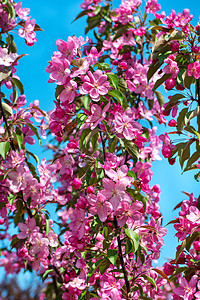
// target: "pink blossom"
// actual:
[[39, 244], [27, 32], [114, 192], [69, 92], [186, 289], [100, 206], [95, 85], [27, 229], [194, 69], [7, 59], [21, 12], [125, 124], [152, 6], [97, 115]]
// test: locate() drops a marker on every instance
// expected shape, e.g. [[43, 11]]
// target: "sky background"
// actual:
[[56, 21]]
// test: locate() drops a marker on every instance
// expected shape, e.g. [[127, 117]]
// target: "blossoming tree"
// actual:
[[104, 141]]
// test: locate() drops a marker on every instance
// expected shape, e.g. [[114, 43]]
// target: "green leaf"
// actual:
[[129, 246], [151, 280], [11, 10], [131, 174], [131, 148], [83, 13], [161, 81], [4, 148], [11, 198], [14, 242], [32, 169], [92, 23], [178, 253], [47, 272], [133, 236], [160, 98], [194, 113], [34, 156], [114, 79], [48, 227], [103, 66], [116, 94], [86, 102], [181, 119], [7, 108], [192, 159], [112, 255], [18, 84], [153, 68], [34, 129]]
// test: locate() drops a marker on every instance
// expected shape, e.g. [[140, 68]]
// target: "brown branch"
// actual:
[[121, 257]]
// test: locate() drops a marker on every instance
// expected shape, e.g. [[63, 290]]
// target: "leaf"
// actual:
[[161, 80], [18, 84], [48, 227], [177, 271], [190, 239], [185, 153], [133, 236], [153, 68], [4, 148], [131, 174], [92, 23], [7, 108], [187, 80], [11, 10], [178, 253], [181, 119], [112, 255], [161, 273], [131, 148], [192, 159], [47, 272], [194, 113], [151, 280], [86, 102], [34, 129], [103, 66], [14, 242], [34, 156], [160, 98], [116, 94], [114, 79], [83, 13]]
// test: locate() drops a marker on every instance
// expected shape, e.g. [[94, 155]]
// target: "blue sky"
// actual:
[[56, 21]]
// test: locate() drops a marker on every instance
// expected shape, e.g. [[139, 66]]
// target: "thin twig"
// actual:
[[121, 257]]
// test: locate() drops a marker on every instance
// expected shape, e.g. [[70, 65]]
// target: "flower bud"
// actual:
[[90, 190], [170, 83], [76, 183], [172, 123]]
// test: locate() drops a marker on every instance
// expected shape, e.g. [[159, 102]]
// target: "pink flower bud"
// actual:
[[196, 245], [170, 83], [66, 277], [174, 46], [156, 214], [172, 161], [166, 151], [90, 190], [23, 252], [76, 183], [1, 221], [172, 123], [195, 49]]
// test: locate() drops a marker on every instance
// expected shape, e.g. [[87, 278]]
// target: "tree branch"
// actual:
[[121, 257]]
